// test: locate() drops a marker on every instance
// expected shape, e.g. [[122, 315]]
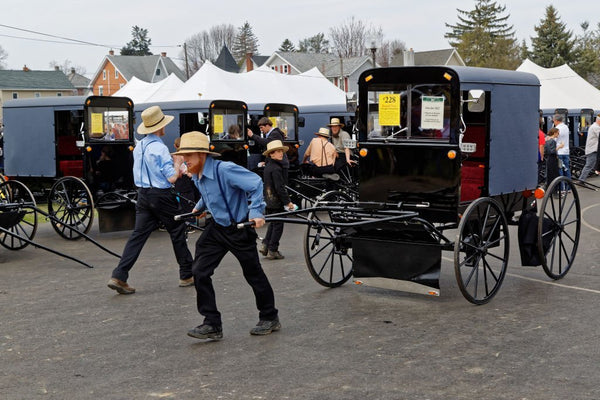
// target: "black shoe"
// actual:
[[205, 331], [266, 327], [274, 255], [263, 250]]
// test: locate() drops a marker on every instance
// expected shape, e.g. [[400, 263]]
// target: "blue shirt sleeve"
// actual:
[[250, 183]]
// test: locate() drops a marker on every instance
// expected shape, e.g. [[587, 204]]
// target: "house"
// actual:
[[115, 71], [226, 62], [252, 62], [432, 57], [342, 72], [25, 84], [80, 82]]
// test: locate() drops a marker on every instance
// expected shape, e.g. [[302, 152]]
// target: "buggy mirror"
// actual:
[[201, 119], [476, 100]]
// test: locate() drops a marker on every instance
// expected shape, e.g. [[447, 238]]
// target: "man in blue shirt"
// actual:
[[153, 173], [232, 194]]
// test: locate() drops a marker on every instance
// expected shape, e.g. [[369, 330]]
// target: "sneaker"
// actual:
[[266, 327], [274, 255], [331, 177], [263, 250], [120, 286], [186, 282], [205, 331]]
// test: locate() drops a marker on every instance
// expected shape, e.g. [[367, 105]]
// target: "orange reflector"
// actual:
[[447, 76], [357, 282], [88, 149], [539, 193], [481, 165], [363, 152], [246, 146], [212, 146], [244, 106], [432, 293], [267, 107], [452, 154], [130, 148], [297, 146], [368, 78], [527, 193], [88, 102]]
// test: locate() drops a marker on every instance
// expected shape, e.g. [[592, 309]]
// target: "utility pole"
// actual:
[[187, 68]]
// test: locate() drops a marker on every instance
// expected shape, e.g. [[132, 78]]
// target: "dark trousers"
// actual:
[[211, 247], [274, 231], [154, 205]]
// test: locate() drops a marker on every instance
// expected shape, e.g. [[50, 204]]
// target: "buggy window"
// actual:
[[226, 124], [108, 124], [286, 122], [409, 111]]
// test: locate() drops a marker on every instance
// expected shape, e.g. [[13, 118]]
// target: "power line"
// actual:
[[40, 40]]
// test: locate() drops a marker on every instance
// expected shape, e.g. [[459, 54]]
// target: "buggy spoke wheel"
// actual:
[[17, 215], [71, 203], [327, 250], [481, 250], [559, 227]]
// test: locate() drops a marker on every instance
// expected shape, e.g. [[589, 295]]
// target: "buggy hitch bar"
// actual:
[[39, 246], [86, 237]]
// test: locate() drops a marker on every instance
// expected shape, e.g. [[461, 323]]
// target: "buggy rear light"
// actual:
[[88, 149], [246, 147], [452, 154], [297, 146], [539, 193], [130, 148], [212, 146], [363, 152]]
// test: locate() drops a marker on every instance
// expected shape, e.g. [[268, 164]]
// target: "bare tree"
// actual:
[[389, 49], [3, 55], [66, 67], [207, 45], [348, 39]]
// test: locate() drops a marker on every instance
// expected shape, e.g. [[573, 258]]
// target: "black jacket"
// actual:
[[275, 193]]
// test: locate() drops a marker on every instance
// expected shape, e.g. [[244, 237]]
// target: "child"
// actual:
[[551, 156], [276, 197]]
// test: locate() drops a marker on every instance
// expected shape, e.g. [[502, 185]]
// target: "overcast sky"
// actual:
[[419, 24]]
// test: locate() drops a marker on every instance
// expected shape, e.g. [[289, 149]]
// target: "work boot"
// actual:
[[266, 327], [120, 286], [274, 255]]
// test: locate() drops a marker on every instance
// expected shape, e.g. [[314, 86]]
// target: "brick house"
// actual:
[[115, 71]]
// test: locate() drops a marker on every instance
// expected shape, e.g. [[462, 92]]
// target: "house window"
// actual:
[[100, 90], [58, 94], [274, 68], [104, 75], [157, 71], [15, 95], [37, 94], [116, 74], [285, 69]]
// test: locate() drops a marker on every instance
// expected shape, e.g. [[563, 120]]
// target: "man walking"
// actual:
[[563, 153], [591, 149]]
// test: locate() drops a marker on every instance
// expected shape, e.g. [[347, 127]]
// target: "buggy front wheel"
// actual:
[[71, 203]]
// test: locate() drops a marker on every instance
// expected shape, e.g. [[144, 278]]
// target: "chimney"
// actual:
[[56, 68], [73, 70], [408, 57], [249, 64], [25, 68], [111, 52], [163, 54]]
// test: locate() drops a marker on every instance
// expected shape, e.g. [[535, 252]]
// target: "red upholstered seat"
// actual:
[[472, 176], [71, 168]]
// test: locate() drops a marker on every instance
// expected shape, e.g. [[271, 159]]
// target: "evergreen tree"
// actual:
[[553, 45], [484, 38], [588, 47], [287, 46], [314, 44], [245, 42], [139, 45]]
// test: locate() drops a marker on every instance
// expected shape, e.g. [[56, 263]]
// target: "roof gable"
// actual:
[[431, 57], [142, 67], [226, 62], [40, 80]]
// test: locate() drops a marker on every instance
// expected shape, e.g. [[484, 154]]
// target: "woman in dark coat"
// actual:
[[276, 197], [551, 156]]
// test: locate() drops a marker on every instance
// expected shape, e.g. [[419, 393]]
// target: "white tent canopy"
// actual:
[[144, 92], [261, 85], [561, 87]]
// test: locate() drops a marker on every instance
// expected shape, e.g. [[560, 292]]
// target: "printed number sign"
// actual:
[[218, 124], [97, 124], [389, 109]]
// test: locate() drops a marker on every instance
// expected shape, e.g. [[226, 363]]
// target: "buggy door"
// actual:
[[285, 117], [227, 130]]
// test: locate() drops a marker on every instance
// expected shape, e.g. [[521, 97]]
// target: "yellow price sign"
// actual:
[[273, 121], [97, 124], [389, 109], [218, 124]]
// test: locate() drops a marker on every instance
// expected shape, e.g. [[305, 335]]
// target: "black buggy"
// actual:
[[448, 160]]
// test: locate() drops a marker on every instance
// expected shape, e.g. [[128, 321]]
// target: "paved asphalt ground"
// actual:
[[65, 335]]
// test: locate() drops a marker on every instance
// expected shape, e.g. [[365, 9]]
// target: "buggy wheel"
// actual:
[[481, 250], [559, 227], [327, 250], [71, 203], [17, 215]]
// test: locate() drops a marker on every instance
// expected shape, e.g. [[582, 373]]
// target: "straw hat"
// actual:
[[336, 122], [194, 142], [323, 132], [153, 120], [273, 146]]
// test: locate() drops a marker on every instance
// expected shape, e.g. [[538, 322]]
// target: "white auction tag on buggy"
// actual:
[[349, 143], [432, 112]]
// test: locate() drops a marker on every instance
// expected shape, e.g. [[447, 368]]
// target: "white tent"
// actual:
[[261, 85], [144, 92], [561, 87]]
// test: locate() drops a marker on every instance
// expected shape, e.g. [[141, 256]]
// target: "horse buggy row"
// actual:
[[438, 170]]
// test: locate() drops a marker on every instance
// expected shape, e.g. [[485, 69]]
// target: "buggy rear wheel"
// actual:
[[327, 250], [17, 215], [559, 227], [481, 250], [71, 203]]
